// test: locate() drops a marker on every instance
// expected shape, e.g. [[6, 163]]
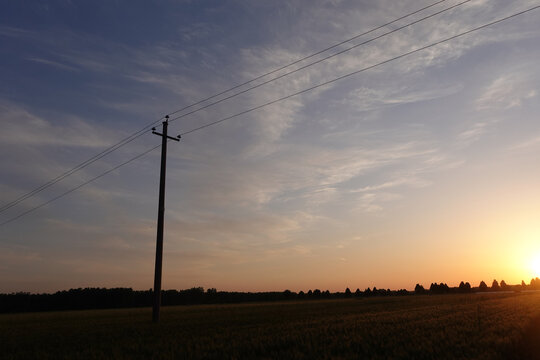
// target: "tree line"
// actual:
[[102, 298], [465, 287]]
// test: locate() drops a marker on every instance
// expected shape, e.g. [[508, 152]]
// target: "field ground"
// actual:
[[488, 326]]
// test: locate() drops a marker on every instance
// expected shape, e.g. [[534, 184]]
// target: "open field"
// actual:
[[417, 327]]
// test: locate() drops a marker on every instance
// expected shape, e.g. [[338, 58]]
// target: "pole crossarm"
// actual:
[[165, 124], [168, 137]]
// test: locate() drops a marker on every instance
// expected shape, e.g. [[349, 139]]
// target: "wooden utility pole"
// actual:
[[161, 214]]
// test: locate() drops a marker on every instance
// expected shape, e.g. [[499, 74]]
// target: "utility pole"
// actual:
[[161, 213]]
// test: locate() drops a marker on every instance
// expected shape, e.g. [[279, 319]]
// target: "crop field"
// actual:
[[488, 326]]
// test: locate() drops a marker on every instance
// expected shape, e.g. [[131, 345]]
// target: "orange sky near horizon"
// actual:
[[411, 157]]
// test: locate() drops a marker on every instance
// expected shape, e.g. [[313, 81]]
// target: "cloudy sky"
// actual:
[[422, 169]]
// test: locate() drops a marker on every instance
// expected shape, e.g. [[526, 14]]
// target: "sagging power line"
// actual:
[[308, 56], [79, 186], [140, 132], [285, 98], [319, 61]]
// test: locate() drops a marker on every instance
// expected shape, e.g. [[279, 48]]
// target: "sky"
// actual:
[[422, 169]]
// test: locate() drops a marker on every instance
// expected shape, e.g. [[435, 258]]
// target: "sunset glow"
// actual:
[[535, 266], [380, 166]]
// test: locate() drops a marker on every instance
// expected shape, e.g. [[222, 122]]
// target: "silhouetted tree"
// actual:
[[523, 285], [101, 298], [439, 288], [402, 292], [504, 286], [482, 287], [348, 292], [211, 295], [464, 287], [419, 289], [495, 286], [357, 293]]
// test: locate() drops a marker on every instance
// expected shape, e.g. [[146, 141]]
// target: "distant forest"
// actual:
[[102, 298]]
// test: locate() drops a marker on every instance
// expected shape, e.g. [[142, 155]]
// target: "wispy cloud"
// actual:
[[23, 127], [299, 180], [372, 202], [367, 99], [474, 132], [526, 145], [52, 63], [506, 92], [14, 32], [402, 181]]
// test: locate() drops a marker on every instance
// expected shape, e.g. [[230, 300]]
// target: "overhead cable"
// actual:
[[357, 71], [318, 61], [79, 186], [140, 132], [282, 99]]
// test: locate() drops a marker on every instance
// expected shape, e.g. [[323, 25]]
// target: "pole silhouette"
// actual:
[[160, 222]]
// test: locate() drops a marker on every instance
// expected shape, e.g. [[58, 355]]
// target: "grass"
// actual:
[[489, 326]]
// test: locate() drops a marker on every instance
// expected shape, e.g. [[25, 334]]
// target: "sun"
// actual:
[[535, 265]]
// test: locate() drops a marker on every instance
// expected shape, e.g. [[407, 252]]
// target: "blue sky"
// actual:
[[423, 169]]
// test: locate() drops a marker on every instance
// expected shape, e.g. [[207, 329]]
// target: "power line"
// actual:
[[357, 71], [281, 99], [139, 133], [307, 57], [319, 61], [81, 166], [79, 186]]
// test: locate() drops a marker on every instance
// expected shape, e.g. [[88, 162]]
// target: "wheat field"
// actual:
[[486, 326]]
